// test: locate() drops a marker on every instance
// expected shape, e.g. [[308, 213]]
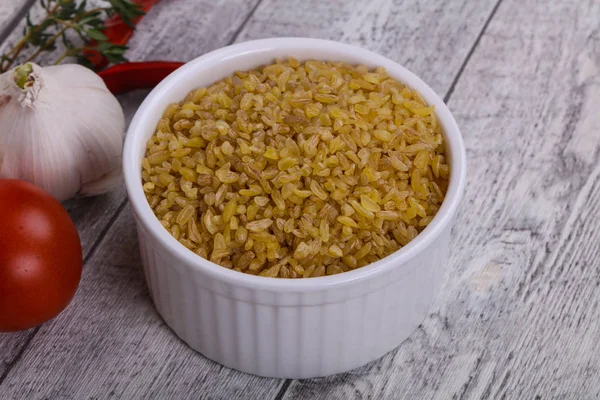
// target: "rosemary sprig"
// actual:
[[78, 29]]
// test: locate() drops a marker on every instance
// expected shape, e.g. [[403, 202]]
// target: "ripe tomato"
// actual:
[[40, 256]]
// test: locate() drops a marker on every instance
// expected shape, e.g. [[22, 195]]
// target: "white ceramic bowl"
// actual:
[[284, 328]]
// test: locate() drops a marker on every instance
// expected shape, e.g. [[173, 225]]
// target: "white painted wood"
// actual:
[[517, 316], [92, 216], [431, 38], [9, 12], [11, 345], [159, 27], [159, 37], [8, 9]]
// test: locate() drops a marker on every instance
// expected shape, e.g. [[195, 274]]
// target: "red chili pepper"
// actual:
[[118, 32], [122, 78]]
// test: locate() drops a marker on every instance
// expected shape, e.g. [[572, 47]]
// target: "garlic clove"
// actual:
[[63, 131], [104, 184]]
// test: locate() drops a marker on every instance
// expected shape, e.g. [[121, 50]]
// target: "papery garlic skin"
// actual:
[[63, 132]]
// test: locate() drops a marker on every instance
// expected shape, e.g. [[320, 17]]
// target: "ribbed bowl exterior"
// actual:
[[291, 335]]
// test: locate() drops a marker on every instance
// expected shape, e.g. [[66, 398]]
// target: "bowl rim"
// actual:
[[398, 259]]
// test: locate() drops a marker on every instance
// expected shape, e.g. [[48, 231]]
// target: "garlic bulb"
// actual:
[[61, 129]]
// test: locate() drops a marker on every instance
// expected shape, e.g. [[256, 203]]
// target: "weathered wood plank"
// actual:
[[172, 40], [175, 42], [8, 8], [10, 12], [182, 30], [93, 215], [431, 38], [518, 315]]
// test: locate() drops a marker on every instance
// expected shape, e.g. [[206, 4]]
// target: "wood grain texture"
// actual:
[[8, 8], [431, 38], [159, 31], [93, 216], [159, 37], [11, 11], [517, 317]]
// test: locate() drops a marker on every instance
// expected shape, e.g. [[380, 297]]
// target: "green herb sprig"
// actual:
[[79, 30]]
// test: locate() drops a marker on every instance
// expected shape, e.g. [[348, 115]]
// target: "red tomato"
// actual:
[[40, 256]]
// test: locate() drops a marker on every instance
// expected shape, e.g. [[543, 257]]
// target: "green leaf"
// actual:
[[115, 59], [103, 46], [82, 6], [96, 34], [91, 19], [127, 10], [81, 59], [77, 28]]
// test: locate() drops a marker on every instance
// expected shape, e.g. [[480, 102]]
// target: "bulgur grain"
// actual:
[[297, 169]]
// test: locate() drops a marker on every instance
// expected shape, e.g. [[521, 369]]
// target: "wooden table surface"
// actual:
[[517, 316]]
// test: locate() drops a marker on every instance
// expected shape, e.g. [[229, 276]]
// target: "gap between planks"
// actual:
[[243, 24], [15, 19], [470, 53]]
